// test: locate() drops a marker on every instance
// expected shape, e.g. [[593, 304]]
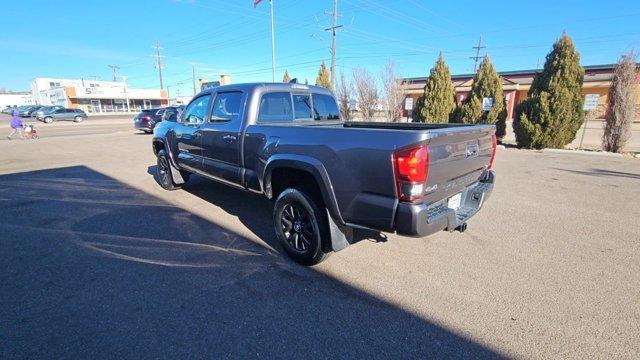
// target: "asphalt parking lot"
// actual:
[[98, 261]]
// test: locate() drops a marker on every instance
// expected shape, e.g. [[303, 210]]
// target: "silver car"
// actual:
[[75, 115]]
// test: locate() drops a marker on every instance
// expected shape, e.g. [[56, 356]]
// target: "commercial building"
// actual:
[[95, 96], [16, 99], [516, 84]]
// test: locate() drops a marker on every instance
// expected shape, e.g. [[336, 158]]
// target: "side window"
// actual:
[[60, 111], [226, 107], [302, 106], [275, 107], [197, 110], [325, 107]]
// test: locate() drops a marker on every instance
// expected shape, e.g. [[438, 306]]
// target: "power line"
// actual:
[[477, 57]]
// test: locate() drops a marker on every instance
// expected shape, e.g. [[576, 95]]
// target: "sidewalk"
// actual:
[[592, 138]]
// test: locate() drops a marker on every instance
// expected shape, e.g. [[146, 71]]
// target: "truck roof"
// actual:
[[264, 87]]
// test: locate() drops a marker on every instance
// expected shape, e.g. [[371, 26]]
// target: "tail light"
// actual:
[[494, 140], [145, 117], [411, 166]]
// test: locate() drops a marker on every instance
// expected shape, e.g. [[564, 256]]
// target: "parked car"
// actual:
[[147, 119], [46, 109], [9, 109], [172, 113], [27, 111], [76, 115], [327, 177]]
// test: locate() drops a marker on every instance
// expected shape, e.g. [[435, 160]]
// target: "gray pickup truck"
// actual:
[[328, 177]]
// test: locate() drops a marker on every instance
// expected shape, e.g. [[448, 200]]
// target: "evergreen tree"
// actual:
[[323, 77], [552, 114], [286, 78], [438, 102], [486, 84]]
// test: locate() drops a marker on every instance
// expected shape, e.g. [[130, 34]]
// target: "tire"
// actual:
[[48, 120], [78, 119], [301, 227], [163, 172]]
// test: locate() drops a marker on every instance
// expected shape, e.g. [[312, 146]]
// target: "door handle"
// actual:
[[229, 138]]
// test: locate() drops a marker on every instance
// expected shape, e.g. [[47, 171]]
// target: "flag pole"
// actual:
[[273, 46]]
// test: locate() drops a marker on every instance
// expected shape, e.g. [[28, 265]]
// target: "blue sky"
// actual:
[[80, 38]]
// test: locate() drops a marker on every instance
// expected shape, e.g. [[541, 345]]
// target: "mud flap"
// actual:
[[341, 236]]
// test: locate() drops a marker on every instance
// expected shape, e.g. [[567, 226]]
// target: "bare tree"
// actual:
[[344, 93], [622, 101], [366, 92], [393, 96]]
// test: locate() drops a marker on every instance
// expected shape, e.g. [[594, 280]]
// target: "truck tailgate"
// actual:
[[457, 158]]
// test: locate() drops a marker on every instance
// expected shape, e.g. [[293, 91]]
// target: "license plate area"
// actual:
[[455, 201]]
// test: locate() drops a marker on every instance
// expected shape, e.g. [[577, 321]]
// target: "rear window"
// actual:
[[302, 106], [325, 107], [275, 107]]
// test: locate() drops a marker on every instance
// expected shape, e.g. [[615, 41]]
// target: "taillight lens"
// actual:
[[411, 167], [494, 140]]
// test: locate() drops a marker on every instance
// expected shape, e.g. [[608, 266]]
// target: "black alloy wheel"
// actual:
[[301, 227], [298, 227], [163, 172]]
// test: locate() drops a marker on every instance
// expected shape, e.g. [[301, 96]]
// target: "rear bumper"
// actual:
[[143, 125], [421, 220]]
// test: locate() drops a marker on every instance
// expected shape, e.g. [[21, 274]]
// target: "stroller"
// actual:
[[30, 132]]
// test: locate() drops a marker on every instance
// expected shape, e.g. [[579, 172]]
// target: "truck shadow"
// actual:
[[253, 210], [93, 268]]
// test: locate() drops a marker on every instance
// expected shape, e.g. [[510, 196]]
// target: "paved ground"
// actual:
[[98, 262]]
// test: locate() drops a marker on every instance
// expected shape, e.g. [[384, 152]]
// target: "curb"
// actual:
[[582, 152]]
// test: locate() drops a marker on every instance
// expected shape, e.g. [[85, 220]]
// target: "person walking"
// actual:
[[16, 125]]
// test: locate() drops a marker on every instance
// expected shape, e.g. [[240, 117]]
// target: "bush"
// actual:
[[622, 102], [438, 102], [552, 114], [486, 84]]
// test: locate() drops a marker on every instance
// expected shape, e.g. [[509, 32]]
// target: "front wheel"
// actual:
[[78, 119], [163, 172], [301, 227], [48, 120]]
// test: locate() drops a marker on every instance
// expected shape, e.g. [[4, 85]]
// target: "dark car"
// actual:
[[28, 111], [147, 119], [76, 115], [328, 177]]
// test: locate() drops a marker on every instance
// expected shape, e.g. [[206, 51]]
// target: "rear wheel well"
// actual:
[[284, 178], [157, 146]]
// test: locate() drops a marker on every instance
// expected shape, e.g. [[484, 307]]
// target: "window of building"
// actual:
[[302, 106], [197, 110], [226, 106], [325, 107], [275, 107]]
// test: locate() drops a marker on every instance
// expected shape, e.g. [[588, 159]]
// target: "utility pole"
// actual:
[[273, 45], [477, 57], [333, 28], [114, 71], [159, 62], [193, 77], [126, 95]]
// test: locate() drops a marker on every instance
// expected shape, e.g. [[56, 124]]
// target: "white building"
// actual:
[[95, 96], [16, 98]]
